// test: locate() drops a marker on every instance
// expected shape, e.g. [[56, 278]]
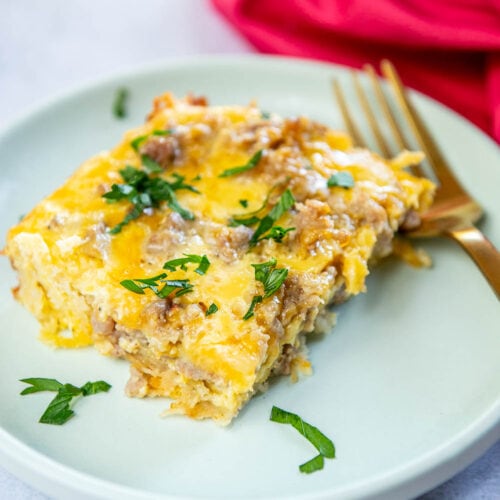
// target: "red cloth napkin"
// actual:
[[447, 49]]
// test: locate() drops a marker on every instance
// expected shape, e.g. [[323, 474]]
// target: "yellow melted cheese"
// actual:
[[70, 266]]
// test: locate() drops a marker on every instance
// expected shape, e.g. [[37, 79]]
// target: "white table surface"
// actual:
[[47, 46]]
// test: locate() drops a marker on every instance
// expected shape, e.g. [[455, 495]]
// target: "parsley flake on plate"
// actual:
[[323, 444], [59, 410], [120, 103]]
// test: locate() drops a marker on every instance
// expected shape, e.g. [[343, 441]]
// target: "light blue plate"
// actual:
[[407, 386]]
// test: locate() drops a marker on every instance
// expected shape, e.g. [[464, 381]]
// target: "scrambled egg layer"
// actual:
[[70, 266]]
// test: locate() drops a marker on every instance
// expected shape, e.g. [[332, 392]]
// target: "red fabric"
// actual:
[[447, 49]]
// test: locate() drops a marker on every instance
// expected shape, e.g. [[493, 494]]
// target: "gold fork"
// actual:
[[454, 211]]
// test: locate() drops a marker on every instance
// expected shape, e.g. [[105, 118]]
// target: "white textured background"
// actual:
[[48, 46]]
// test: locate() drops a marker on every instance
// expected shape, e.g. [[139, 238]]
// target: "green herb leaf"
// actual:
[[134, 177], [212, 309], [120, 103], [180, 184], [59, 412], [252, 162], [40, 384], [269, 276], [95, 387], [265, 115], [244, 221], [202, 260], [132, 286], [183, 287], [135, 213], [316, 463], [150, 166], [257, 299], [341, 179], [250, 218], [140, 284], [136, 143], [152, 281], [119, 192], [285, 202], [322, 443], [174, 205], [263, 270], [274, 281], [277, 233], [243, 203]]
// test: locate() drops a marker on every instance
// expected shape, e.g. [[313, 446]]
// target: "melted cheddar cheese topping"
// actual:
[[70, 266]]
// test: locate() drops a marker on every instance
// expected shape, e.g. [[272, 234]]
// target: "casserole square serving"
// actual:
[[273, 220]]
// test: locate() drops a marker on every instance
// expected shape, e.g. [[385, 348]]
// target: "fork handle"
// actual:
[[482, 251]]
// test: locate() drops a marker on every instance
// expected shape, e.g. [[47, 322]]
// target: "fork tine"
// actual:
[[447, 180], [346, 116], [372, 121], [402, 144], [389, 116]]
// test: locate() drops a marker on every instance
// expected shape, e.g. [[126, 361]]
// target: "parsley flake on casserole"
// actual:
[[206, 245]]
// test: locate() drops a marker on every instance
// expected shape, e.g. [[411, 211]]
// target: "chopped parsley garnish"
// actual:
[[160, 286], [323, 444], [266, 229], [136, 143], [243, 203], [257, 299], [341, 179], [252, 162], [244, 221], [59, 410], [250, 218], [212, 309], [145, 191], [120, 103], [271, 277], [285, 202], [316, 463], [163, 287], [265, 115], [180, 184], [150, 166], [277, 233], [202, 260]]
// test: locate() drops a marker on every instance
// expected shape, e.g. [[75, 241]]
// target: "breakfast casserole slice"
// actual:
[[206, 245]]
